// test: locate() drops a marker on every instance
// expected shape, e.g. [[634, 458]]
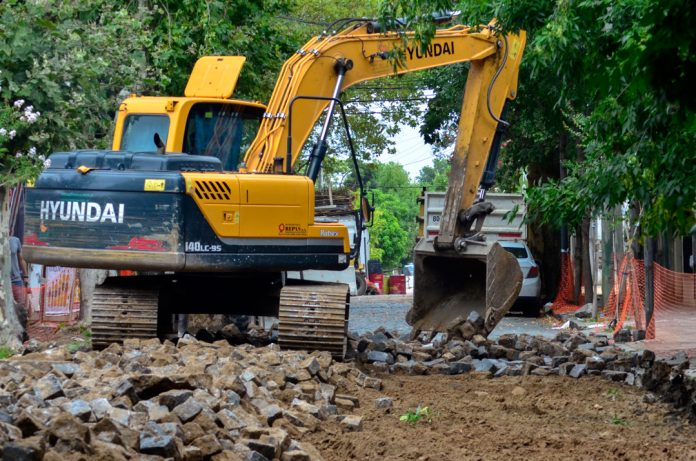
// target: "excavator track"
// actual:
[[121, 312], [314, 317]]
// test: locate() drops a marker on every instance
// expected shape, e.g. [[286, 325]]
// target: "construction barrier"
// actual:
[[54, 296], [397, 285], [627, 295], [378, 280], [674, 306], [564, 302]]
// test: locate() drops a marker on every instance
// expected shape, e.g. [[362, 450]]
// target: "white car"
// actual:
[[530, 294]]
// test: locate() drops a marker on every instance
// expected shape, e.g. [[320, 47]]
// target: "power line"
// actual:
[[388, 100], [399, 187], [374, 112], [384, 88], [429, 157]]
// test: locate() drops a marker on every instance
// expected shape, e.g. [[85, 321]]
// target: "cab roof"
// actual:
[[163, 104]]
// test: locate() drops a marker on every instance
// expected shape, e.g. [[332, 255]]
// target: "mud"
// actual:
[[528, 418]]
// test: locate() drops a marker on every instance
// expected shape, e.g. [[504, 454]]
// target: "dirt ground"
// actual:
[[526, 418]]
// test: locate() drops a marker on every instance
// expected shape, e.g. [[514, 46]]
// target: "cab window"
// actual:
[[219, 130], [139, 132]]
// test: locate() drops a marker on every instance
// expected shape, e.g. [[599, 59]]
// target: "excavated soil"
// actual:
[[529, 418]]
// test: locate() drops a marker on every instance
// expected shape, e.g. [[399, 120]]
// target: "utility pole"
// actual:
[[649, 280], [607, 258]]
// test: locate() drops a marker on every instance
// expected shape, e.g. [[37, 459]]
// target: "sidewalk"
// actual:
[[675, 331]]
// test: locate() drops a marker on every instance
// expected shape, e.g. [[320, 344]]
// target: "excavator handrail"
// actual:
[[359, 223]]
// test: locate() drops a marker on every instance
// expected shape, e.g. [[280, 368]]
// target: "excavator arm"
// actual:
[[327, 65], [463, 285]]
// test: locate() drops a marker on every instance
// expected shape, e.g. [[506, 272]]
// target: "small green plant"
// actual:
[[85, 332], [6, 352], [61, 326], [613, 392], [421, 413], [619, 421], [74, 346]]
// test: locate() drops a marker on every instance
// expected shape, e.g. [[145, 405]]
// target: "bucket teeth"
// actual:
[[462, 294]]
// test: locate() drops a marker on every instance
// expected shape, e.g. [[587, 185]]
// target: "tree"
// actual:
[[435, 177], [62, 72], [593, 92], [389, 242], [397, 194]]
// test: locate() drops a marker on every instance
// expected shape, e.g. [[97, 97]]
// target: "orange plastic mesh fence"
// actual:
[[563, 303], [627, 294], [674, 299], [675, 305]]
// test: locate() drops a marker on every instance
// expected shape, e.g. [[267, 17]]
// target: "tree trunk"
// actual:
[[618, 235], [89, 278], [649, 279], [587, 276], [543, 240], [10, 329], [636, 233]]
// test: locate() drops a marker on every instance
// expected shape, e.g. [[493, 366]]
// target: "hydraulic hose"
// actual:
[[490, 87]]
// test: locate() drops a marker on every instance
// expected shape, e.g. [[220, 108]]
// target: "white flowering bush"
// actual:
[[19, 158]]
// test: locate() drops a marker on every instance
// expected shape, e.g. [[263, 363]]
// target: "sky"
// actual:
[[411, 151]]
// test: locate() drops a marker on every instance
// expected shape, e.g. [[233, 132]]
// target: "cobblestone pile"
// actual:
[[571, 353], [147, 400]]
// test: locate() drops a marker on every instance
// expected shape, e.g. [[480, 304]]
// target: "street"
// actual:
[[368, 313]]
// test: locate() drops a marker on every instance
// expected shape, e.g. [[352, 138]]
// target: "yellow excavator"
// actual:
[[200, 195]]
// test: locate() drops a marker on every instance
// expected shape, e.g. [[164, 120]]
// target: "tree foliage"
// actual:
[[388, 241], [70, 63], [435, 177], [605, 83], [636, 122]]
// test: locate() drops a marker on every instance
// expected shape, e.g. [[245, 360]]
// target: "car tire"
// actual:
[[532, 308]]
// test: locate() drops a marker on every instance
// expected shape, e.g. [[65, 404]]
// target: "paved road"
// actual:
[[368, 313]]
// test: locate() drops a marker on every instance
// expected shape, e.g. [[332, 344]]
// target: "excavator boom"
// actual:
[[313, 71], [464, 285]]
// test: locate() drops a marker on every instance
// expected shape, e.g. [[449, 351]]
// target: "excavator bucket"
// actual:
[[450, 286]]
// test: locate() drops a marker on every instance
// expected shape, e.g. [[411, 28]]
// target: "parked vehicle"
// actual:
[[498, 227], [353, 275], [529, 299]]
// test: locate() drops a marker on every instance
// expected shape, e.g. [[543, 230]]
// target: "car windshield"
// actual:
[[518, 252]]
